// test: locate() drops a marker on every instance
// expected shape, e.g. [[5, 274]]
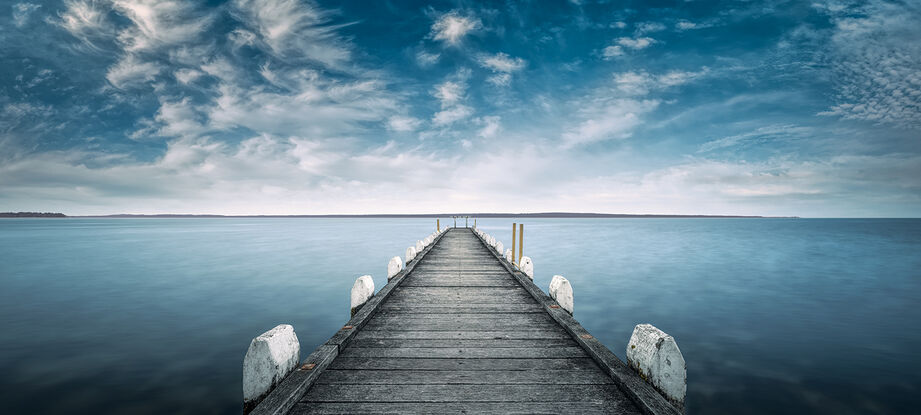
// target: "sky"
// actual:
[[793, 108]]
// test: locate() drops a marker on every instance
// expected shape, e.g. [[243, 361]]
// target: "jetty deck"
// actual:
[[460, 330]]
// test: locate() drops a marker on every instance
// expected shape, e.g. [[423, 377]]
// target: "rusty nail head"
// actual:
[[347, 327], [554, 306], [586, 336], [308, 366]]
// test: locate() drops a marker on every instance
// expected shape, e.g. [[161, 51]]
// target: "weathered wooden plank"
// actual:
[[463, 352], [460, 393], [512, 318], [458, 283], [554, 333], [468, 377], [452, 343], [287, 393], [608, 406], [458, 325], [463, 298], [367, 363], [646, 398], [461, 308]]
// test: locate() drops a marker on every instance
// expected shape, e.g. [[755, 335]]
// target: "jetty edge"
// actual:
[[470, 265]]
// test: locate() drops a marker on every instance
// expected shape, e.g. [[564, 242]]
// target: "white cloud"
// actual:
[[649, 27], [606, 119], [501, 62], [402, 123], [451, 115], [491, 126], [131, 71], [617, 49], [635, 43], [158, 23], [425, 59], [876, 61], [612, 51], [452, 27], [502, 65], [187, 75], [767, 134], [450, 92], [84, 20], [22, 11], [618, 25], [500, 79], [292, 28], [641, 83]]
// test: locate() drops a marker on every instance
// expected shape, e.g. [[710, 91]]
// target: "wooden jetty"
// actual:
[[460, 329]]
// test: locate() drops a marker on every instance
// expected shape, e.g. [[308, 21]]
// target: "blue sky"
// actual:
[[297, 107]]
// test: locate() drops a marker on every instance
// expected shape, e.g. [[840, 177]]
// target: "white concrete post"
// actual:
[[270, 358], [362, 291], [655, 355], [410, 254], [394, 267], [419, 247], [561, 291], [499, 247], [526, 266], [508, 255]]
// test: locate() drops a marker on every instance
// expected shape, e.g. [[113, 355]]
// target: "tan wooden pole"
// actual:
[[520, 242], [438, 225]]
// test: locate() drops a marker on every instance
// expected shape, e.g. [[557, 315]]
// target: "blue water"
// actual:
[[155, 315]]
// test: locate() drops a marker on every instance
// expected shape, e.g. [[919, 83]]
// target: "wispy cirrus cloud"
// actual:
[[452, 27], [502, 65], [877, 69], [622, 44]]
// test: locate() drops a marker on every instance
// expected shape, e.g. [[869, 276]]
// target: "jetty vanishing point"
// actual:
[[461, 328]]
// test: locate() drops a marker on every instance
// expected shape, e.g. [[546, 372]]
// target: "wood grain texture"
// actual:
[[459, 331]]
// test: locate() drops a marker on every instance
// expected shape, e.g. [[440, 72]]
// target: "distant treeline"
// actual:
[[31, 215]]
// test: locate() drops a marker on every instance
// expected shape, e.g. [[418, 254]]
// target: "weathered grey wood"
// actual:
[[355, 363], [589, 407], [458, 325], [345, 334], [555, 333], [465, 377], [458, 393], [647, 399], [468, 343], [289, 391], [437, 308], [460, 331], [464, 352]]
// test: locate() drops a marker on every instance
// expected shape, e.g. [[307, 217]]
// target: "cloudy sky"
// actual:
[[809, 108]]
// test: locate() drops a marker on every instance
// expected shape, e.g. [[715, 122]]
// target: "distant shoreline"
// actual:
[[419, 215]]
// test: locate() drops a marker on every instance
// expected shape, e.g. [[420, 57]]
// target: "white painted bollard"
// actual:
[[655, 355], [362, 291], [394, 267], [561, 291], [419, 247], [499, 247], [270, 358], [508, 255], [410, 254], [526, 266]]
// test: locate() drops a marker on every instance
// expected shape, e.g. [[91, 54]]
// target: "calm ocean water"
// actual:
[[155, 315]]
